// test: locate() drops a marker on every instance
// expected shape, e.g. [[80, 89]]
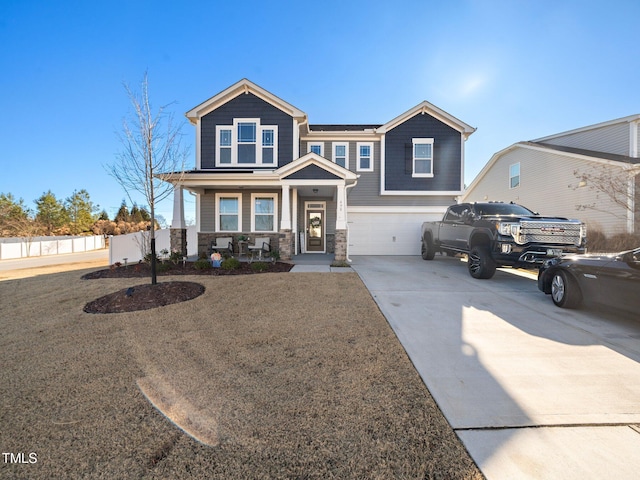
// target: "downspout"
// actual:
[[346, 223]]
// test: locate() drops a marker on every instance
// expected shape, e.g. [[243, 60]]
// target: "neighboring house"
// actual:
[[263, 170], [575, 174]]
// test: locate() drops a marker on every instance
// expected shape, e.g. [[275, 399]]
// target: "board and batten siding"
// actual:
[[447, 156], [609, 139], [548, 186], [245, 106]]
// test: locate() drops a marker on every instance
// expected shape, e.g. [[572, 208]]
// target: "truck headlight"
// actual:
[[508, 228]]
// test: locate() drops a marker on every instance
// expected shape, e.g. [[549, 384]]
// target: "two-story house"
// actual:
[[263, 170], [590, 173]]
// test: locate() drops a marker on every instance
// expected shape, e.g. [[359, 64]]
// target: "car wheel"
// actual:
[[480, 263], [428, 252], [565, 292]]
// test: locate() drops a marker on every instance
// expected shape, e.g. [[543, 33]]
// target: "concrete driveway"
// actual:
[[532, 390]]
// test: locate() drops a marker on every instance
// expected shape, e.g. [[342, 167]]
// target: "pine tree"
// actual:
[[50, 212], [123, 213]]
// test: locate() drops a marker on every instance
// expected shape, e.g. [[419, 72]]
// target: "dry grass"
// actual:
[[293, 375]]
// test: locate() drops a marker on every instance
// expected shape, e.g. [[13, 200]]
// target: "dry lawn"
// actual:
[[287, 375]]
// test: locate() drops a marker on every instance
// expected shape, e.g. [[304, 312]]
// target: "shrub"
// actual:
[[230, 264], [163, 267], [259, 267], [147, 258], [597, 242], [202, 264]]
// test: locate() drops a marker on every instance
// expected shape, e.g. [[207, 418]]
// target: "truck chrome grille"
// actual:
[[565, 233]]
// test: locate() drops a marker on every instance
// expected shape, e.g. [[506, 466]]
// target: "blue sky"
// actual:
[[516, 70]]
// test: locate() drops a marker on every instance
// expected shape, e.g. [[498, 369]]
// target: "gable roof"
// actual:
[[628, 119], [578, 153], [237, 89], [430, 109], [314, 160]]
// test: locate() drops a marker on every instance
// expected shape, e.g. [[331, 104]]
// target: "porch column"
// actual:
[[340, 239], [178, 208], [285, 220], [178, 230]]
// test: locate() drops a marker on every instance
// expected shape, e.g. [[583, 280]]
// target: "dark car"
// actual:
[[606, 280]]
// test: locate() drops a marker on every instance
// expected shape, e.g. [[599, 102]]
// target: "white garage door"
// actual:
[[386, 233]]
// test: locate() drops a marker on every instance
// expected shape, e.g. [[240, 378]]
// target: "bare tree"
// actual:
[[152, 144], [617, 184]]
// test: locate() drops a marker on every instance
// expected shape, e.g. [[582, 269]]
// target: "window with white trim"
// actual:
[[422, 157], [341, 153], [514, 175], [246, 143], [365, 156], [263, 212], [317, 148], [228, 212]]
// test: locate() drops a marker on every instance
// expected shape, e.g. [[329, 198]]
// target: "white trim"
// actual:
[[346, 156], [359, 157], [198, 147], [397, 209], [630, 118], [423, 193], [634, 149], [316, 144], [420, 141], [258, 144], [242, 87], [430, 109], [274, 197], [220, 195]]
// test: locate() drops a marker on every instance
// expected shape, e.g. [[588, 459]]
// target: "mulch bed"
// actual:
[[145, 297], [141, 270]]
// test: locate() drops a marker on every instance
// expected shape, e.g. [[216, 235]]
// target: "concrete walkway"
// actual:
[[533, 391]]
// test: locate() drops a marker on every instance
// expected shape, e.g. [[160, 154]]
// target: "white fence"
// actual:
[[134, 246], [11, 248]]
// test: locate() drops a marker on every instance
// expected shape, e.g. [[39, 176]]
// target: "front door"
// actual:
[[315, 231]]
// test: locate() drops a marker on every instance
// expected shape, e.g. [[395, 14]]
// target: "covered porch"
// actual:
[[301, 207]]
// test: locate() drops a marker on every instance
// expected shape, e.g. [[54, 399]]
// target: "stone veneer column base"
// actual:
[[340, 246], [178, 240], [285, 244]]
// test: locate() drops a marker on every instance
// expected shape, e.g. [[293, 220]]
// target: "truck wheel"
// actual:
[[565, 292], [480, 263], [428, 252]]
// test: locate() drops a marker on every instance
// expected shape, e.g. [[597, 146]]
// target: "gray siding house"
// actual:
[[262, 169], [589, 173]]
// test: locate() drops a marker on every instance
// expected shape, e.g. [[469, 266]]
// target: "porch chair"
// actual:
[[222, 245], [260, 245]]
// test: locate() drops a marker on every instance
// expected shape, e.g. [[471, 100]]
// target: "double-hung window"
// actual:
[[246, 143], [514, 175], [228, 212], [317, 148], [365, 156], [341, 154], [422, 157], [263, 212]]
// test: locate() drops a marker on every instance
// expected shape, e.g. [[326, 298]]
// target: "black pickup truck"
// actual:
[[497, 234]]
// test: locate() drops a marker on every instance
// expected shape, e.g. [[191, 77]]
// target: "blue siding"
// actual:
[[447, 151], [246, 106]]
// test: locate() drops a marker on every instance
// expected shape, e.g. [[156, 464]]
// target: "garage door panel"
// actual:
[[386, 233]]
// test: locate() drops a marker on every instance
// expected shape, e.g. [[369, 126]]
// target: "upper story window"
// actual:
[[246, 142], [317, 148], [514, 175], [422, 157], [341, 154], [365, 157]]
